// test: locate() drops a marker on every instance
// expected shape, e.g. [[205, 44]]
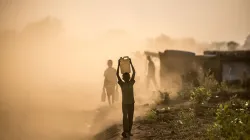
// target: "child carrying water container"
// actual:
[[127, 97]]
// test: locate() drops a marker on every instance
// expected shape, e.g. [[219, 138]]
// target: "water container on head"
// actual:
[[125, 64]]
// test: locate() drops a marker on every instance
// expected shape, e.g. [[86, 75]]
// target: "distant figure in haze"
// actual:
[[110, 82], [151, 72], [127, 99]]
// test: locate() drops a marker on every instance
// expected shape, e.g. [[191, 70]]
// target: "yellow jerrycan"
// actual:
[[125, 65]]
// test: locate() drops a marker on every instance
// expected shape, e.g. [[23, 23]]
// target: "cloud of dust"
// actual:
[[164, 42], [51, 83]]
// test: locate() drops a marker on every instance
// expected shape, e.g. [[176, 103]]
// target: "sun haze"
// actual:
[[53, 53]]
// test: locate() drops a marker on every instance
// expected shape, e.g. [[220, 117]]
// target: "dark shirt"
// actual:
[[127, 91], [151, 68]]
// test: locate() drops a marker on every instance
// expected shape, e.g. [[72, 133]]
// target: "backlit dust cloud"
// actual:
[[53, 54]]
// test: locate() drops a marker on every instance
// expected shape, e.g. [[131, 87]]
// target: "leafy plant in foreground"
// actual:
[[206, 81], [200, 95], [232, 121], [209, 82]]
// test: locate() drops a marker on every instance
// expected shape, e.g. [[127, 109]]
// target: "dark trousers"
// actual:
[[128, 114]]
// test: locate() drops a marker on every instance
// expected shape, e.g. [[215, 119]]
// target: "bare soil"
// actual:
[[171, 122]]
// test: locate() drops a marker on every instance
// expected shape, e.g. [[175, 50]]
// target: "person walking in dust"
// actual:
[[127, 87], [110, 82], [151, 72]]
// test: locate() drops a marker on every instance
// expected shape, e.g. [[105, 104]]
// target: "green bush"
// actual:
[[209, 82], [200, 95], [206, 81], [224, 87], [211, 86], [232, 121]]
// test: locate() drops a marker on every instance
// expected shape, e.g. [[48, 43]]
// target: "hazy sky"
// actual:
[[202, 19]]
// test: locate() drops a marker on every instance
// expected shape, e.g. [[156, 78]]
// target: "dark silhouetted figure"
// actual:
[[110, 82], [127, 99], [151, 72]]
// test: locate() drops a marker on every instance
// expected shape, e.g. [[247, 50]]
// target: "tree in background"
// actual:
[[232, 45]]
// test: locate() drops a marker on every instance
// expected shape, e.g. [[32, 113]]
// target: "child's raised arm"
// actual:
[[117, 71], [133, 69]]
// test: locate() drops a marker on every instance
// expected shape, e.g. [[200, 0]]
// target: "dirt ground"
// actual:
[[172, 122]]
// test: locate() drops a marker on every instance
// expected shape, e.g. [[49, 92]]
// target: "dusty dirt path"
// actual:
[[167, 126], [113, 128]]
